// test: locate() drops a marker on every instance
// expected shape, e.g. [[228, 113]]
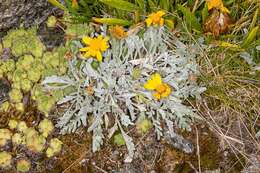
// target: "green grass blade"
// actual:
[[57, 4], [191, 20], [121, 5], [165, 4], [250, 37], [112, 21]]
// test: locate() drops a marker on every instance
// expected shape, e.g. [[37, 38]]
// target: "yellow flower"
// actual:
[[161, 90], [155, 19], [218, 4], [75, 4], [118, 32], [95, 47]]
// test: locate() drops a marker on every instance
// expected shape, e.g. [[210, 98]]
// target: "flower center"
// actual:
[[95, 44], [161, 88]]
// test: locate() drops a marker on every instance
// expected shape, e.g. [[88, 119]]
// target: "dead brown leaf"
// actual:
[[217, 23]]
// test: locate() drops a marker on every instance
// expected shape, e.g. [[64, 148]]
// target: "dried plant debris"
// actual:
[[115, 86]]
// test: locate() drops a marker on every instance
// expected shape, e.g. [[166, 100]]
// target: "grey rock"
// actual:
[[177, 141], [4, 89], [13, 13]]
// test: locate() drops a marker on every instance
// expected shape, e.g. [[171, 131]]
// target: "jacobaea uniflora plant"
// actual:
[[144, 74]]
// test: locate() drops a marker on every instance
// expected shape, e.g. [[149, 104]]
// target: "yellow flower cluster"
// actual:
[[161, 90], [118, 32], [218, 4], [155, 19], [95, 47]]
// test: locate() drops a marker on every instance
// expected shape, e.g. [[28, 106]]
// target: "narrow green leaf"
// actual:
[[56, 3], [169, 23], [121, 4], [141, 4], [250, 37], [254, 20], [191, 20], [204, 13], [112, 21], [165, 4], [152, 5]]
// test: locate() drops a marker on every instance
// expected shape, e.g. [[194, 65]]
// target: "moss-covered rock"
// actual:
[[46, 127], [22, 127], [5, 135], [23, 165], [5, 159], [35, 142], [12, 124], [18, 139], [54, 147]]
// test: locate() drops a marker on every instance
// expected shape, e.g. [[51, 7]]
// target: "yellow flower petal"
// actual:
[[83, 49], [95, 46], [155, 19], [148, 21], [161, 13], [103, 46], [86, 40], [157, 96], [161, 22], [218, 4], [87, 54], [99, 56], [153, 83], [106, 39], [224, 10], [167, 91]]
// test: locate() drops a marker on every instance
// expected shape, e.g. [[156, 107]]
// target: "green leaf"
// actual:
[[112, 21], [204, 13], [254, 20], [141, 4], [165, 4], [57, 4], [191, 20], [152, 5], [121, 5], [250, 37], [169, 23]]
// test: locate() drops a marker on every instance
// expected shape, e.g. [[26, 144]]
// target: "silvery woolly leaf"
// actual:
[[89, 71], [66, 99], [130, 146], [62, 82]]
